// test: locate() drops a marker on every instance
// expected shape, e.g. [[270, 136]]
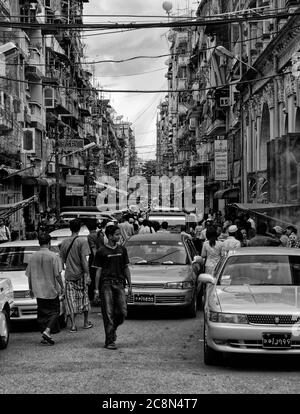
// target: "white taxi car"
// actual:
[[6, 308], [13, 262], [252, 303]]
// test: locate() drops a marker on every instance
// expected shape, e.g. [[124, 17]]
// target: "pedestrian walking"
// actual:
[[95, 241], [113, 273], [261, 238], [280, 234], [211, 250], [293, 241], [4, 233], [231, 243], [45, 283], [75, 252], [164, 227]]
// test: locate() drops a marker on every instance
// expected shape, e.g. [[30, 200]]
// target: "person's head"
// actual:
[[91, 224], [262, 228], [75, 225], [211, 235], [126, 217], [219, 230], [208, 223], [44, 239], [113, 234], [232, 230], [290, 230], [164, 225], [145, 223], [246, 216]]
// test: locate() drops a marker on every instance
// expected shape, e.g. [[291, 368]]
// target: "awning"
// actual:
[[44, 182], [262, 206], [8, 171], [227, 193]]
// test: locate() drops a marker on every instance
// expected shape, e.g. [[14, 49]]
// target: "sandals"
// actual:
[[72, 330], [90, 325]]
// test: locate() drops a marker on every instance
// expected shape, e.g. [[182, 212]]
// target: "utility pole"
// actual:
[[57, 174], [88, 164]]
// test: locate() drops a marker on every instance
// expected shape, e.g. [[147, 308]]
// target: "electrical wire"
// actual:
[[203, 21]]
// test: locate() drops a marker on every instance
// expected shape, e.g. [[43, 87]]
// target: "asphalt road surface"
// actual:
[[158, 353]]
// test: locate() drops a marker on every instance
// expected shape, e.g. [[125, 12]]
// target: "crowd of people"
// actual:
[[97, 271]]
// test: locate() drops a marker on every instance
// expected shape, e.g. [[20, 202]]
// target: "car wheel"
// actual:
[[211, 357], [192, 308], [4, 329]]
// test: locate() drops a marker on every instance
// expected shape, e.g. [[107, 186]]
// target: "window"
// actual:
[[49, 98], [29, 140], [261, 270], [163, 252]]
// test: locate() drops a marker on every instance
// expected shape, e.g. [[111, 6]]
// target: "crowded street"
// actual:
[[149, 199]]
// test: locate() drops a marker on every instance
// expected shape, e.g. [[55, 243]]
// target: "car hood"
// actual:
[[18, 279], [259, 299], [158, 274]]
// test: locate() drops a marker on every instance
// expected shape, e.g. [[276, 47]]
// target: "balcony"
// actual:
[[218, 127], [33, 73], [6, 120], [52, 43]]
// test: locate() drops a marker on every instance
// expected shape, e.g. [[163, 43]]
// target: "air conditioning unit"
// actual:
[[49, 100], [225, 101], [51, 168], [28, 141]]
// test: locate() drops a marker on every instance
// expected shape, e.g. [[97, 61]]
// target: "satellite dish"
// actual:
[[167, 6]]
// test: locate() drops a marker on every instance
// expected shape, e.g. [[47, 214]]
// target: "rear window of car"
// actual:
[[261, 270], [157, 252], [16, 258]]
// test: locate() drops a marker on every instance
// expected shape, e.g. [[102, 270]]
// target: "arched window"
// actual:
[[264, 138]]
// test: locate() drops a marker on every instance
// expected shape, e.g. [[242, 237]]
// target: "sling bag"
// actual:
[[70, 247]]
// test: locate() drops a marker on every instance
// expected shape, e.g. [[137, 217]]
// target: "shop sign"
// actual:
[[71, 144], [221, 160], [74, 191]]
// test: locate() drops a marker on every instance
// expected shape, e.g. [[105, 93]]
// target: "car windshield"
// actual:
[[156, 252], [16, 258], [261, 270]]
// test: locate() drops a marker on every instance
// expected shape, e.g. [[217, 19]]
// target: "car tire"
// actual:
[[192, 308], [211, 357], [4, 329]]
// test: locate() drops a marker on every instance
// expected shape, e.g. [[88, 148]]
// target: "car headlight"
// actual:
[[228, 317], [179, 285]]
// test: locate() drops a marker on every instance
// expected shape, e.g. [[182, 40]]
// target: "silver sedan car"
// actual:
[[252, 303]]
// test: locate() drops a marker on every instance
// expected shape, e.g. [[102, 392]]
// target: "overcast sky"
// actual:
[[140, 109]]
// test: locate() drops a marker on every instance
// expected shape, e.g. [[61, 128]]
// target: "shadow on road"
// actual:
[[157, 313], [262, 363]]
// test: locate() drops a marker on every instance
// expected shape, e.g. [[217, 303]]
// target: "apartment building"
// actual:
[[49, 111], [237, 120]]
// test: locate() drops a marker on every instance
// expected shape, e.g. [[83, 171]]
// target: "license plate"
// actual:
[[276, 341], [143, 298]]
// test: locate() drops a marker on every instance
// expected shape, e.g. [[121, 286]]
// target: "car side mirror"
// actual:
[[206, 278]]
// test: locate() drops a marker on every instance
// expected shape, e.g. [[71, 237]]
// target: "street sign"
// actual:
[[71, 144], [75, 191]]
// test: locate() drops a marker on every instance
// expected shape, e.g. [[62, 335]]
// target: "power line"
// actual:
[[203, 21], [150, 91]]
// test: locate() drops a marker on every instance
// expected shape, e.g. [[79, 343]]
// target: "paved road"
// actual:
[[157, 354]]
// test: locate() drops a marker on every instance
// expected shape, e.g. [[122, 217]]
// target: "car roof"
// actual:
[[66, 232], [27, 243], [265, 250], [158, 237]]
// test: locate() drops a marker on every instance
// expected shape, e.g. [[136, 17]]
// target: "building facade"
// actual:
[[237, 119], [49, 112]]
